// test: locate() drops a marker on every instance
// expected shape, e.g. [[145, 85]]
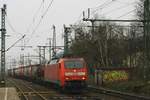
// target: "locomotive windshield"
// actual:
[[73, 64]]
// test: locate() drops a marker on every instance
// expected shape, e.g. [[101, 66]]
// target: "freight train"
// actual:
[[66, 73]]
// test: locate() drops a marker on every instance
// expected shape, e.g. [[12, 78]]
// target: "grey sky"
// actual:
[[20, 14]]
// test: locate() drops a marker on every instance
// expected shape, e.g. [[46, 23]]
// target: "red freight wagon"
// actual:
[[10, 72], [27, 71], [21, 71], [16, 72], [34, 71]]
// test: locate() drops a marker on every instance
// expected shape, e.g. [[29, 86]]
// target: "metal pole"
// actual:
[[3, 33], [44, 54], [144, 38], [29, 61], [54, 41], [115, 20], [66, 39], [93, 28], [39, 54], [23, 60], [49, 49]]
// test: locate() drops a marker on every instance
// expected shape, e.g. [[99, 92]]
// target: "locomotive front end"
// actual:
[[75, 73]]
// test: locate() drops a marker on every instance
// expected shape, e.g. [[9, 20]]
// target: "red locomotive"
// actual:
[[63, 72]]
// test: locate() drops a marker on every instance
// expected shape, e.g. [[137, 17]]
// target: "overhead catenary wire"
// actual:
[[106, 3], [15, 43], [11, 27], [111, 11], [116, 9], [126, 14], [50, 4], [125, 2], [38, 53], [35, 27], [96, 8], [102, 6], [42, 17], [23, 36], [9, 24], [35, 15]]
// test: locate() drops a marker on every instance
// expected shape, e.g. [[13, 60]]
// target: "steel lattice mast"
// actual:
[[3, 34]]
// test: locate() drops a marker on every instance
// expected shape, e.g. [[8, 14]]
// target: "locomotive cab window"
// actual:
[[73, 64], [54, 61]]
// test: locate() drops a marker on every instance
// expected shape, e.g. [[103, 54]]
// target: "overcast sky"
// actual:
[[24, 15]]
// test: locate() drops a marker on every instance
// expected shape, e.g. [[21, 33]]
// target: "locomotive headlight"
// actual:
[[75, 73], [81, 73], [68, 73], [67, 78]]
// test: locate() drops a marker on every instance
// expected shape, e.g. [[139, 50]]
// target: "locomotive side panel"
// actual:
[[51, 73]]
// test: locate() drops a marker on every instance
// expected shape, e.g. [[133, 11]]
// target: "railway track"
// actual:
[[26, 90], [126, 96], [26, 94], [21, 92], [53, 94], [35, 92]]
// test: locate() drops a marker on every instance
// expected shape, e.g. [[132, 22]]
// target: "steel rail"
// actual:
[[119, 94], [20, 90], [39, 93], [42, 97]]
